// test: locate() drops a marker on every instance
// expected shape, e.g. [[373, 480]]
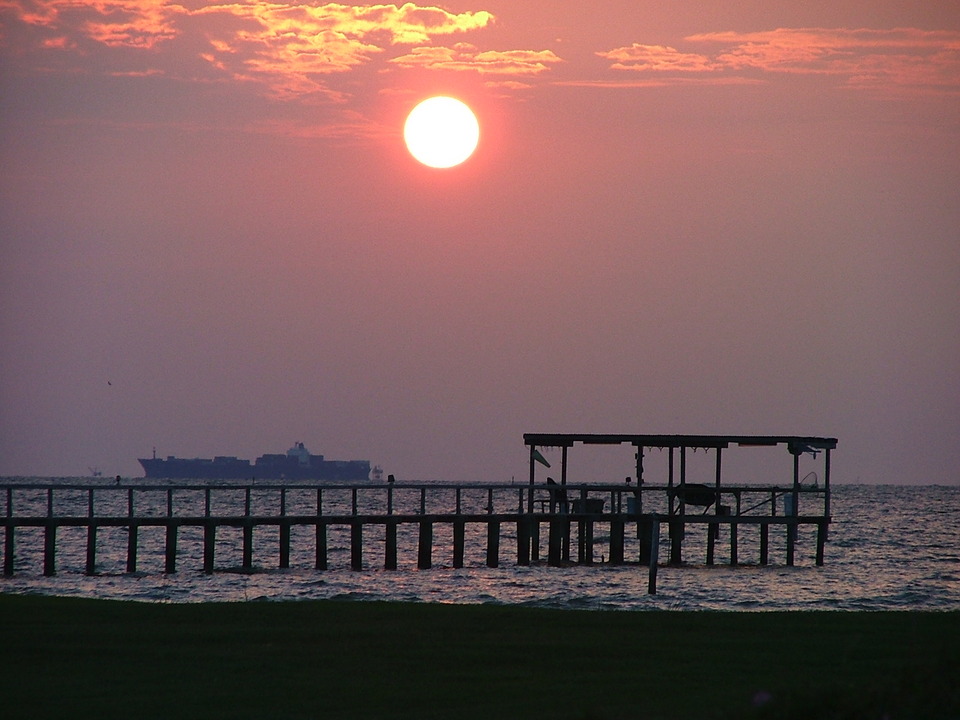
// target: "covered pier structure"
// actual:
[[679, 502]]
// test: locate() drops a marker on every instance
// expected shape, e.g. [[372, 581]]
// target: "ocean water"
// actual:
[[889, 548]]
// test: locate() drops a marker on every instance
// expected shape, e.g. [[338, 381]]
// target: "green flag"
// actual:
[[540, 458]]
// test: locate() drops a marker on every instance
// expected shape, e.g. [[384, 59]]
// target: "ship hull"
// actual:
[[267, 467]]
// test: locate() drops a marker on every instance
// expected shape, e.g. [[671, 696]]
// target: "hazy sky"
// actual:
[[683, 216]]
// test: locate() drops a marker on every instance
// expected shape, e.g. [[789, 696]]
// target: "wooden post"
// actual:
[[794, 510], [565, 507], [676, 542], [209, 542], [8, 544], [826, 492], [555, 542], [654, 556], [764, 542], [643, 535], [425, 554], [588, 541], [734, 560], [616, 541], [711, 535], [390, 540], [321, 560], [493, 543], [284, 543], [790, 541], [459, 531], [534, 538], [91, 567], [523, 541], [170, 565], [132, 529], [716, 502], [50, 549], [248, 539], [8, 537], [821, 539], [356, 545]]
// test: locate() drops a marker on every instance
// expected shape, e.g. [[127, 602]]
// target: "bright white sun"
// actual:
[[441, 132]]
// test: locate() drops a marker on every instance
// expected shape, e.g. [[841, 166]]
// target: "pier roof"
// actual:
[[677, 441]]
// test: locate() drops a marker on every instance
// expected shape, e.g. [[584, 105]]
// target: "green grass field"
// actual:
[[63, 657]]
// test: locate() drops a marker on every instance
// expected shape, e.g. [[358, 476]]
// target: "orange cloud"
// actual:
[[287, 46], [865, 58], [657, 58], [467, 57]]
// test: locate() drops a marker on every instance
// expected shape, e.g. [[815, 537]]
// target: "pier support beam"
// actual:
[[654, 557], [821, 539], [643, 537], [247, 560], [284, 544], [50, 550], [132, 531], [356, 546], [170, 560], [616, 541], [764, 543], [676, 542], [425, 553], [555, 542], [91, 567], [321, 542], [493, 543], [8, 545], [459, 531], [534, 543], [209, 543], [734, 558], [390, 546], [523, 541]]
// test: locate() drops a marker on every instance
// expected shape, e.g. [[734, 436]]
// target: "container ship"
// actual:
[[296, 464]]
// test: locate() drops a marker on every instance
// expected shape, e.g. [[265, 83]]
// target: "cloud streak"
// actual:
[[465, 57], [897, 58]]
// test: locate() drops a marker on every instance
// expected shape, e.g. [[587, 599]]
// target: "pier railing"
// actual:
[[556, 524]]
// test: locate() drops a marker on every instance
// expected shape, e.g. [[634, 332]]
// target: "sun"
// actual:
[[441, 132]]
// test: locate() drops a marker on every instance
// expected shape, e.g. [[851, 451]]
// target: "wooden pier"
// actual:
[[549, 522]]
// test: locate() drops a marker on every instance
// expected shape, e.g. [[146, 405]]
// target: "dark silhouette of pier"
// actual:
[[547, 522]]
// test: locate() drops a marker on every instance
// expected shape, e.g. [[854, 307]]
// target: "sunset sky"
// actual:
[[682, 217]]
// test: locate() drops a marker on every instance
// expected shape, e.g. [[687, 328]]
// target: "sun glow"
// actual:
[[441, 132]]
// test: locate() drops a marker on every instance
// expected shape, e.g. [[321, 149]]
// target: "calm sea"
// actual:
[[890, 548]]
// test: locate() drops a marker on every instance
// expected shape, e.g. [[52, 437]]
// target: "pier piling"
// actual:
[[425, 553], [356, 545], [493, 543]]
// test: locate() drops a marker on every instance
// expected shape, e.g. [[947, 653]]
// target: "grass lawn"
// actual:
[[63, 657]]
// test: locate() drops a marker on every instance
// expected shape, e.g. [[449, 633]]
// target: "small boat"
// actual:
[[694, 494]]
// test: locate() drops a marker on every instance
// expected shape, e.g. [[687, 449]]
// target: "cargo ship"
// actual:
[[296, 464]]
